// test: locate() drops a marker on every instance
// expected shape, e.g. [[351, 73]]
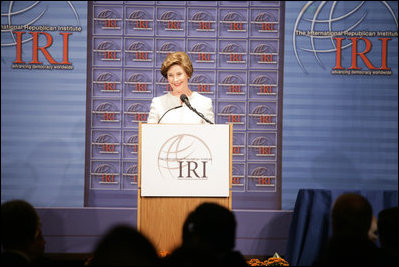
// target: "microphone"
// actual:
[[168, 111], [185, 100]]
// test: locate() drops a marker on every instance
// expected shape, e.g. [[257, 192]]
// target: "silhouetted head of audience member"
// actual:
[[208, 239], [210, 225], [21, 235], [123, 245], [350, 243], [388, 228], [351, 216]]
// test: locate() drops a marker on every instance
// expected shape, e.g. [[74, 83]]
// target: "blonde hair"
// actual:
[[178, 58]]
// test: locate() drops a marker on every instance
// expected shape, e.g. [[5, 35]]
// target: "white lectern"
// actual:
[[180, 167]]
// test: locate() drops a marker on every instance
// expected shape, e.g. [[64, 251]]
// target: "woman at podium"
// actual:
[[180, 105]]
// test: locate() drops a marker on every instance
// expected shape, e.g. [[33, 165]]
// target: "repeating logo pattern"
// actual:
[[235, 48]]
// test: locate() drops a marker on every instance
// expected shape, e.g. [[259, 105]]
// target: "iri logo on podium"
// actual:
[[184, 157]]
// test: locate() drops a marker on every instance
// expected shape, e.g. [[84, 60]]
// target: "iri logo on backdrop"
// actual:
[[139, 20], [107, 112], [138, 83], [203, 83], [139, 51], [35, 43], [106, 173], [238, 175], [234, 22], [132, 144], [108, 19], [167, 46], [238, 145], [202, 52], [131, 174], [265, 54], [106, 144], [233, 84], [265, 22], [262, 177], [234, 53], [171, 20], [344, 37], [232, 113], [202, 21], [108, 50], [137, 112], [263, 114], [184, 156], [262, 146], [107, 82], [264, 85]]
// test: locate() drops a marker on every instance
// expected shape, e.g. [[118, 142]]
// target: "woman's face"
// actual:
[[178, 80]]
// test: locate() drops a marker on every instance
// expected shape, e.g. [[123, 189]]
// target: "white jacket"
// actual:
[[162, 104]]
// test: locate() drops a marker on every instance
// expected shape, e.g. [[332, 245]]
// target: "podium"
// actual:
[[180, 167]]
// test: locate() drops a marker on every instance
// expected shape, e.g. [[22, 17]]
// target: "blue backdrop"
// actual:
[[43, 111], [339, 131]]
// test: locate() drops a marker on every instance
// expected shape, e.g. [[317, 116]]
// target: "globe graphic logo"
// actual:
[[176, 153], [29, 13], [333, 18]]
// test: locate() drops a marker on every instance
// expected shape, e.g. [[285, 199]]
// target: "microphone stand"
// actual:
[[185, 100], [168, 111], [200, 114]]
